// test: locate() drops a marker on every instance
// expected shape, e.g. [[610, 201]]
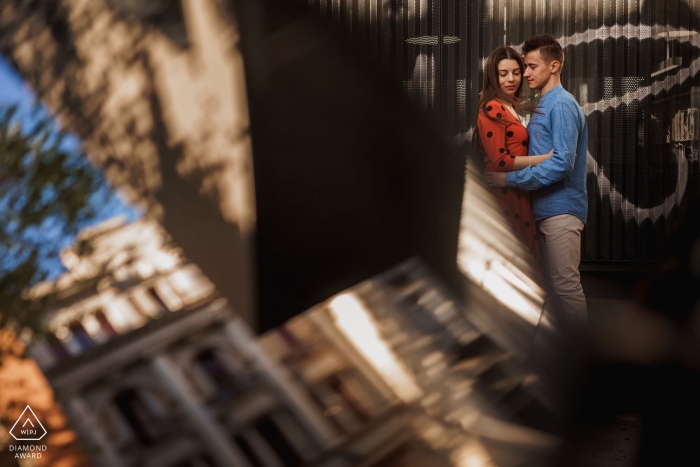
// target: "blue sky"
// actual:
[[13, 91]]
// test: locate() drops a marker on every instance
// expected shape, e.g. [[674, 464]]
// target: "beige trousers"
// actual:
[[560, 245]]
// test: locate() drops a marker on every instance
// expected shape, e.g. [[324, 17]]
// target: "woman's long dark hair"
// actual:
[[492, 90]]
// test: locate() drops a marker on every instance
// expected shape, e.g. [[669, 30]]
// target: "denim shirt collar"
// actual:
[[551, 92]]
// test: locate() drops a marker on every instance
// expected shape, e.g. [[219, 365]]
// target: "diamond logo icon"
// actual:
[[28, 427]]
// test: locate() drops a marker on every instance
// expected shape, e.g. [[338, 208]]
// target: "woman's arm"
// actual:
[[526, 161], [493, 139]]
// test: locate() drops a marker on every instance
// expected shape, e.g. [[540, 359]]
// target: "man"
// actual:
[[558, 185]]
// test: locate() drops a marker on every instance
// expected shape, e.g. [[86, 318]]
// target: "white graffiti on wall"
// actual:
[[630, 210], [617, 200]]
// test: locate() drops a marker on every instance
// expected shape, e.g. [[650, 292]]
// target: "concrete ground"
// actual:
[[611, 443]]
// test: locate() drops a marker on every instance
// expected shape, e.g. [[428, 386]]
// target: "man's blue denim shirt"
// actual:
[[558, 185]]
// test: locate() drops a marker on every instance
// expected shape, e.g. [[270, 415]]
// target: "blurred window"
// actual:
[[153, 294], [218, 374], [105, 326], [80, 335], [144, 416]]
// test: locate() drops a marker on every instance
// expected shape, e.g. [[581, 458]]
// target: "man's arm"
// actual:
[[498, 179], [564, 137]]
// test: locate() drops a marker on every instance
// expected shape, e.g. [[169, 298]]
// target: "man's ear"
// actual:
[[555, 66]]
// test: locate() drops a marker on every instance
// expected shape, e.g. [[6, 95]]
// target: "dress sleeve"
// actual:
[[493, 138]]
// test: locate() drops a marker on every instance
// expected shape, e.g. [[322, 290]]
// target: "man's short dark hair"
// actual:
[[547, 45]]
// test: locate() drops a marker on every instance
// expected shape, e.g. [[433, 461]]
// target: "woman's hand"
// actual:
[[522, 162], [495, 179], [536, 160]]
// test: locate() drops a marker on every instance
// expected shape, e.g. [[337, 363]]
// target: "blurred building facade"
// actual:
[[153, 368]]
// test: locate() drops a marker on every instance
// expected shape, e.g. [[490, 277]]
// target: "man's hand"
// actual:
[[495, 179]]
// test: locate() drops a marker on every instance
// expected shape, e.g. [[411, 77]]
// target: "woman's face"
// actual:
[[509, 76]]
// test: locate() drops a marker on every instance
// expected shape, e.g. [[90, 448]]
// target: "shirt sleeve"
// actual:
[[556, 168], [493, 138]]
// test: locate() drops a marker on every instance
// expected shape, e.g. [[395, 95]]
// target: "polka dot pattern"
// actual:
[[504, 140]]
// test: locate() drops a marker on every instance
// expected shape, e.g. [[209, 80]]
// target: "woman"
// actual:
[[503, 137]]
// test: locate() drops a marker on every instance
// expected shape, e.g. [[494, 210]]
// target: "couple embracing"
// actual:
[[538, 173]]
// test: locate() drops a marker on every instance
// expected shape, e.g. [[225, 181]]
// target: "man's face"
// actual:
[[537, 72]]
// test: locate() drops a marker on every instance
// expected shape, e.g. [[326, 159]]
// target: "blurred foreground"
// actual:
[[154, 368]]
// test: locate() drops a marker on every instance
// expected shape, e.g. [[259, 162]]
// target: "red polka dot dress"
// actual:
[[502, 143]]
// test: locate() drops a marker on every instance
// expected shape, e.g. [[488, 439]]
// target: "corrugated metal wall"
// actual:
[[428, 44], [620, 57]]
